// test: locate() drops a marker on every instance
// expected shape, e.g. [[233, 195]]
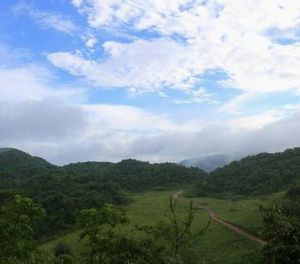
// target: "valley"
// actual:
[[230, 246], [149, 132], [102, 212]]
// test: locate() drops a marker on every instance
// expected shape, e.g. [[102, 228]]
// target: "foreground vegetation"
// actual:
[[150, 206], [139, 227]]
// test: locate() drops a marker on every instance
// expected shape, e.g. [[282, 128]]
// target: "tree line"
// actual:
[[64, 191]]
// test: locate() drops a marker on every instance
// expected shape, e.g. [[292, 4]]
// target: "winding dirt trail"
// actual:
[[176, 194], [214, 217]]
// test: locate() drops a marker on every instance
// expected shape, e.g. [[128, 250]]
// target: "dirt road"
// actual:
[[176, 195], [214, 217]]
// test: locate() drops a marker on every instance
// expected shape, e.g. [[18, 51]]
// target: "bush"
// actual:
[[62, 248]]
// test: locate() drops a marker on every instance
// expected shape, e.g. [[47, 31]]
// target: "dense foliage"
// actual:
[[254, 175], [64, 191], [136, 175], [17, 221], [282, 230], [168, 241]]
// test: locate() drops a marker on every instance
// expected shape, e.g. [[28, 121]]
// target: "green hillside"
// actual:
[[64, 191], [136, 175], [4, 149], [16, 160], [254, 175]]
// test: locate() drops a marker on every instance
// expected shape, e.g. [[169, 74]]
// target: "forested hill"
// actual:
[[63, 191], [259, 174], [136, 175], [16, 159], [17, 167]]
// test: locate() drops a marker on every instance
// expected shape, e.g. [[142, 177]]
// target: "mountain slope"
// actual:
[[259, 174], [137, 175], [63, 191], [18, 167], [13, 158], [4, 150], [207, 163]]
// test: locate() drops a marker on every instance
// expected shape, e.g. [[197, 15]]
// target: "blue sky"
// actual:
[[129, 73]]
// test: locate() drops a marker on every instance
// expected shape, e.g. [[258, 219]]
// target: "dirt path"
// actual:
[[176, 194], [214, 217]]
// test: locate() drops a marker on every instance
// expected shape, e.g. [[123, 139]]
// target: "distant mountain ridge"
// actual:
[[207, 163]]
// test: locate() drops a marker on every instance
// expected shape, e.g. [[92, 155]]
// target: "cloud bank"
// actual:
[[63, 128], [248, 50]]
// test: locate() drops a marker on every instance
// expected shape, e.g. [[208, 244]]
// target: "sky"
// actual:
[[154, 80]]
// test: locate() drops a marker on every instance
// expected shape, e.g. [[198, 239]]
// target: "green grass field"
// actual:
[[217, 245]]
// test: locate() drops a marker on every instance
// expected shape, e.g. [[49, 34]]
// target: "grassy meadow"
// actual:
[[217, 245]]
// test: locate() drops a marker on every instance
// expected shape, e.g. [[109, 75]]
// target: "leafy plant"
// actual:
[[283, 237], [16, 228]]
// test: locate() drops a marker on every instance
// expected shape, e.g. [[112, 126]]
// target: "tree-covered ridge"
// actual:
[[64, 191], [258, 174], [18, 168], [17, 159], [134, 175]]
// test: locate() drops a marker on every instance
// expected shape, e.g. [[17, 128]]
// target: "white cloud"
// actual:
[[63, 132], [91, 42], [37, 113], [193, 37], [48, 20], [167, 145], [140, 65], [45, 120], [260, 120], [176, 16], [127, 119], [199, 95], [34, 82]]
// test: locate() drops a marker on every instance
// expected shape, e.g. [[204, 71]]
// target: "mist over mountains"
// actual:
[[208, 163]]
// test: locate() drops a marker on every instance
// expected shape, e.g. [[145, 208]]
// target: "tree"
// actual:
[[176, 232], [98, 225], [283, 237], [167, 241], [17, 219]]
